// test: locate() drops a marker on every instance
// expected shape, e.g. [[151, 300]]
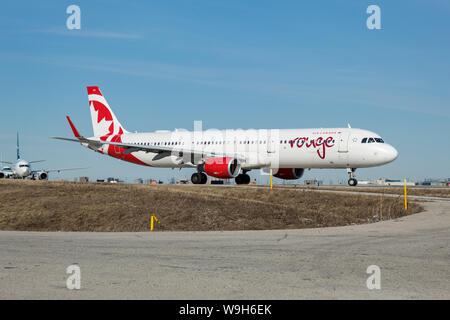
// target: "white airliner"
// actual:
[[22, 169], [232, 153]]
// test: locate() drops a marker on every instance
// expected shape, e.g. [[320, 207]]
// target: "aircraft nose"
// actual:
[[394, 153], [389, 153]]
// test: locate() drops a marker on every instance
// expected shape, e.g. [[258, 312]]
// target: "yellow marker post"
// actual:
[[406, 199], [406, 196], [270, 179], [151, 222]]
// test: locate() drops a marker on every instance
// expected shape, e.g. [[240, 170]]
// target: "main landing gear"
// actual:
[[242, 178], [352, 182], [199, 178]]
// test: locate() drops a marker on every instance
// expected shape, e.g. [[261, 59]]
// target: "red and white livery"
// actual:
[[229, 154]]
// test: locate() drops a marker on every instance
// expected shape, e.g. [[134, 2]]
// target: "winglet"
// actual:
[[75, 131]]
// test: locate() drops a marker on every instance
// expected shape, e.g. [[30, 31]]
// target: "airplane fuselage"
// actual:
[[282, 148], [21, 169], [225, 153]]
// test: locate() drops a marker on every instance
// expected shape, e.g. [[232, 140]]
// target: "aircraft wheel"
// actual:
[[352, 182], [242, 179], [204, 178], [196, 178]]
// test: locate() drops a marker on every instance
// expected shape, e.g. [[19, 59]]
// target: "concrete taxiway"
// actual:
[[412, 253]]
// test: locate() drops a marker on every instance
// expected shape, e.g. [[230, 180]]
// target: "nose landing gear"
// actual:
[[352, 182]]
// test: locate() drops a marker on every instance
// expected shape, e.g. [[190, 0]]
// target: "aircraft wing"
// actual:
[[131, 147], [92, 143], [57, 170], [36, 161], [162, 151]]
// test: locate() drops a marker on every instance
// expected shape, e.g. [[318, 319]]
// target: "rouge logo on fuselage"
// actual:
[[319, 143]]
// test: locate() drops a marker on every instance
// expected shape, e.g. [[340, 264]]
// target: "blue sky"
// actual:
[[231, 64]]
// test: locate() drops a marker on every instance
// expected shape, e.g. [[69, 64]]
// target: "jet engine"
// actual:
[[289, 173], [42, 175], [2, 175], [222, 167]]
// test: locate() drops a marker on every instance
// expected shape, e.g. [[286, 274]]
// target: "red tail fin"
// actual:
[[104, 121]]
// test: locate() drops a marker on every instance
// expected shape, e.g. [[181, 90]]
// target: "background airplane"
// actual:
[[225, 153], [21, 169]]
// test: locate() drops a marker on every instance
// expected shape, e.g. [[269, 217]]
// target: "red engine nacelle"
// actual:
[[289, 173], [222, 167]]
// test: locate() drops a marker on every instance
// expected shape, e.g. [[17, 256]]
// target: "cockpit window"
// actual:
[[23, 165], [372, 140]]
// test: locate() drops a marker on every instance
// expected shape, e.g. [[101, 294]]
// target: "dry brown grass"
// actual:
[[67, 206], [440, 192]]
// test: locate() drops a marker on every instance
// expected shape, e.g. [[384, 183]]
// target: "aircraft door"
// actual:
[[270, 145], [273, 148], [343, 142], [272, 138]]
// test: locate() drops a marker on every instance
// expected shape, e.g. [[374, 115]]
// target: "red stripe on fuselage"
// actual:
[[117, 152]]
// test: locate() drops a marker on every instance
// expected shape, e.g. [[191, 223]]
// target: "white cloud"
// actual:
[[89, 34]]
